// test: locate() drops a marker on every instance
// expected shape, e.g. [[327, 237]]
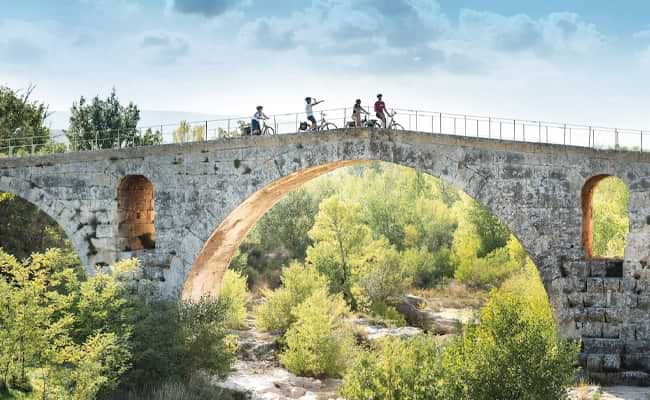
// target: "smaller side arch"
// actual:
[[135, 214], [587, 203]]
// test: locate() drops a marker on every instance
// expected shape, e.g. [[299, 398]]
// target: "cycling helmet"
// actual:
[[260, 107], [379, 95], [308, 99], [358, 101]]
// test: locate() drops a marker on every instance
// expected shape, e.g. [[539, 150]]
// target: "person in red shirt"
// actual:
[[380, 108]]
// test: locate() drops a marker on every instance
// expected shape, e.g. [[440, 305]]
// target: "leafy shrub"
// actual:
[[492, 270], [513, 353], [298, 283], [319, 343], [430, 269], [235, 293], [398, 369], [175, 340], [379, 273]]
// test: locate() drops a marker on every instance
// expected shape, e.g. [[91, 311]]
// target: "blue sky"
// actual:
[[583, 61]]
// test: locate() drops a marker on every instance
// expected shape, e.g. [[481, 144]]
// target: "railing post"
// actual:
[[206, 130], [345, 117], [33, 147], [641, 141], [500, 130], [514, 130], [119, 144], [455, 126], [476, 127], [523, 130], [440, 126], [546, 128], [275, 125], [490, 127], [564, 140], [432, 123], [297, 125], [416, 120], [539, 131], [96, 140], [228, 128], [616, 138], [589, 138], [465, 122]]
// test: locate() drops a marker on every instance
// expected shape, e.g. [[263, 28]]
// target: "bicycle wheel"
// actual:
[[328, 126], [397, 127], [269, 131]]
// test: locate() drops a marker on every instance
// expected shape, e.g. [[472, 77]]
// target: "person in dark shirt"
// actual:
[[380, 108], [356, 113]]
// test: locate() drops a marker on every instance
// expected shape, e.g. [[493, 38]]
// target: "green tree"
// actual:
[[22, 122], [149, 138], [319, 343], [234, 291], [397, 369], [287, 224], [182, 132], [103, 124], [339, 235], [491, 232], [298, 283]]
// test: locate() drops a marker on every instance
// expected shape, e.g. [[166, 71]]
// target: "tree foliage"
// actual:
[[22, 122], [299, 282], [610, 218], [320, 342], [235, 293], [103, 124]]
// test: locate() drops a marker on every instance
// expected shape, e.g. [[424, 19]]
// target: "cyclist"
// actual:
[[380, 108], [310, 112], [356, 113], [256, 122]]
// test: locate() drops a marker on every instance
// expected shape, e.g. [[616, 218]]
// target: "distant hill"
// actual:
[[60, 119]]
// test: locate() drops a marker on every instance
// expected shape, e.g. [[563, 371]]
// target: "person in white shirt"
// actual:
[[310, 112], [256, 123]]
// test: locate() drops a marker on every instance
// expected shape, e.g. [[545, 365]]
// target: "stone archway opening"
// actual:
[[135, 214], [213, 260], [605, 221], [26, 229]]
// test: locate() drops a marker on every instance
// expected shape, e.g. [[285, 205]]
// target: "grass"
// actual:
[[452, 296]]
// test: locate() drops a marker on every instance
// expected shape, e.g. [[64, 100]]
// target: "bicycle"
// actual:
[[264, 131], [392, 124], [267, 130], [323, 125], [365, 123]]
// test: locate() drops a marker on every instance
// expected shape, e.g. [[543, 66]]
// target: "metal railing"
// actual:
[[414, 120]]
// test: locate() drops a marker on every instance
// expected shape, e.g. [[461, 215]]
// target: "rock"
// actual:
[[375, 332], [411, 307], [255, 346]]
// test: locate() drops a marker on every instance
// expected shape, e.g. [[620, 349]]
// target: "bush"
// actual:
[[430, 269], [235, 293], [319, 343], [399, 369], [513, 353], [298, 283], [175, 340]]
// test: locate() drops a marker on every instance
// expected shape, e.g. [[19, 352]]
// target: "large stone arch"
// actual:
[[60, 212], [497, 181]]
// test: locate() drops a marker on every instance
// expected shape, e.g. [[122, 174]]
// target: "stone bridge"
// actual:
[[184, 208]]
